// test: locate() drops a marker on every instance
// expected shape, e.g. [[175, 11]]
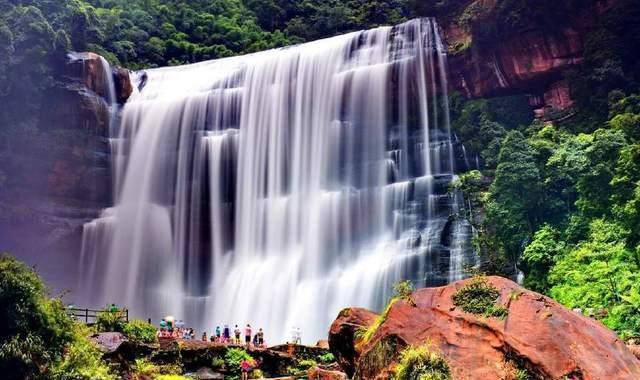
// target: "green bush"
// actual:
[[232, 360], [421, 363], [110, 321], [83, 360], [301, 368], [403, 290], [327, 358], [307, 363], [35, 329], [480, 298], [145, 368], [217, 363], [140, 331]]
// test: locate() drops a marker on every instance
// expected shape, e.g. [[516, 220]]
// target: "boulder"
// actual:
[[342, 336], [635, 349], [97, 75], [108, 342], [205, 373], [122, 83], [91, 69], [537, 335], [323, 374]]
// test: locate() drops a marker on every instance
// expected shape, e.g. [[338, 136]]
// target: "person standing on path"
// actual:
[[236, 333], [226, 334], [260, 336], [247, 335]]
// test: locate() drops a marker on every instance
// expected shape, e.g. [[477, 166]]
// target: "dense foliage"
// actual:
[[37, 338], [562, 200], [140, 331]]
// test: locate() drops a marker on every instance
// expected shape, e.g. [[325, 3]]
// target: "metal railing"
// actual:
[[89, 316]]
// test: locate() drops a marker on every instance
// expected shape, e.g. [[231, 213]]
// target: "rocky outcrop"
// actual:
[[538, 336], [108, 342], [122, 83], [343, 335], [59, 170], [529, 60]]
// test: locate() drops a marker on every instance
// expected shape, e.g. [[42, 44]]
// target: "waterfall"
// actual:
[[278, 187]]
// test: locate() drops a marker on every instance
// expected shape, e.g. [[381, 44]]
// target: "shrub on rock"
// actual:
[[422, 363], [480, 298], [140, 332]]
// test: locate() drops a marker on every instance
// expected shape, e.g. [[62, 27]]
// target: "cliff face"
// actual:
[[529, 59], [59, 171]]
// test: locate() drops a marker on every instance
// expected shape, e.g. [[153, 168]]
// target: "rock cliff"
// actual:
[[529, 59], [60, 175], [535, 335]]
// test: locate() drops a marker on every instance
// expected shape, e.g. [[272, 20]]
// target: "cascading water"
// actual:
[[278, 187]]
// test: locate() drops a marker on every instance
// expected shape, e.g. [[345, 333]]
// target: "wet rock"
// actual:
[[537, 334], [342, 336], [92, 71], [122, 83]]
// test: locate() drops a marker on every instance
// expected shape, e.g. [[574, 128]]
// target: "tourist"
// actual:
[[237, 333], [296, 335], [245, 367], [226, 334], [260, 336], [204, 336], [218, 333], [247, 335]]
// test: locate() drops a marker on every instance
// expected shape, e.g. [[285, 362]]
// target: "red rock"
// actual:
[[122, 83], [323, 343], [323, 374], [90, 68], [548, 339], [529, 61], [635, 349], [342, 336]]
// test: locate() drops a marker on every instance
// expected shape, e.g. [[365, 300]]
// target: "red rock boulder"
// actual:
[[317, 373], [342, 336], [537, 335]]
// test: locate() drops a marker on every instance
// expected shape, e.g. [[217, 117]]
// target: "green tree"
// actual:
[[35, 329], [540, 256], [515, 194]]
